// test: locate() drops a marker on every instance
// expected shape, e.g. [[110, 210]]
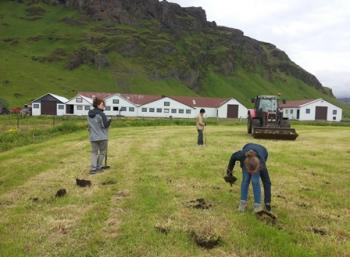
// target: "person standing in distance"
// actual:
[[98, 130], [200, 124]]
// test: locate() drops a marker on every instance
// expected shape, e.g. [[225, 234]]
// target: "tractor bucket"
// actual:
[[275, 133]]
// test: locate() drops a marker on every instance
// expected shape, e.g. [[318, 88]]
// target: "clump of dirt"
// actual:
[[206, 238], [34, 199], [83, 182], [109, 181], [267, 217], [162, 228], [123, 193], [281, 196], [304, 205], [319, 231], [199, 203], [61, 192]]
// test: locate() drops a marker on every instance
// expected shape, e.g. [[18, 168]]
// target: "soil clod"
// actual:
[[267, 216], [83, 183], [199, 203], [319, 231], [109, 181], [162, 228], [123, 193], [61, 192], [206, 240]]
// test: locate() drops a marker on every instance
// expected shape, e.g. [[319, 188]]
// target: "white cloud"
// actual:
[[314, 33]]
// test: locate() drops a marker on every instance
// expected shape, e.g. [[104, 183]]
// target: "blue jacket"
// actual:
[[261, 153]]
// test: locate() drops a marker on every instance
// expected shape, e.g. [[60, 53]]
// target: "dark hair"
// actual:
[[97, 101], [202, 111]]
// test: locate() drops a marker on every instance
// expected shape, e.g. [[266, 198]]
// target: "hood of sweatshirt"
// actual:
[[94, 112]]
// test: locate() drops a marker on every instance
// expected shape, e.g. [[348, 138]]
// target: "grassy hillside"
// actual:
[[117, 215], [39, 45]]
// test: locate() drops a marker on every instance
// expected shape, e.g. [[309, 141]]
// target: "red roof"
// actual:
[[296, 103], [198, 101], [141, 99], [95, 94], [193, 101]]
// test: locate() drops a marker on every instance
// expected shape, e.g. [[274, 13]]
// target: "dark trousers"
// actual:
[[265, 178], [200, 137]]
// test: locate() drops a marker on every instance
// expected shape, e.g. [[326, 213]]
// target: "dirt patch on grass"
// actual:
[[109, 181], [199, 203], [206, 237]]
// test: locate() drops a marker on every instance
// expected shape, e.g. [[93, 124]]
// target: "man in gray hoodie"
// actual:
[[98, 130]]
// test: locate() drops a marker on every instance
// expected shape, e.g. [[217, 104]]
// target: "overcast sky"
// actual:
[[314, 33]]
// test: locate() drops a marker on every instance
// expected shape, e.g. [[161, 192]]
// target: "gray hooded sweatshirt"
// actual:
[[98, 125]]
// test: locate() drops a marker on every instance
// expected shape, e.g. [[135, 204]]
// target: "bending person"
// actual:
[[248, 163]]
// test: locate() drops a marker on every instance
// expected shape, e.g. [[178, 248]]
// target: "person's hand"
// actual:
[[229, 178]]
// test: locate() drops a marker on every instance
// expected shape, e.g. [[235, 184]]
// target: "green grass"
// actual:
[[161, 169]]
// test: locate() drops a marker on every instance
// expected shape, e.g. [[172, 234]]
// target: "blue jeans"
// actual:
[[256, 186]]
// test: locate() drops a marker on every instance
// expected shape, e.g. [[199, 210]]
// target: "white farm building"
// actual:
[[309, 110], [137, 105]]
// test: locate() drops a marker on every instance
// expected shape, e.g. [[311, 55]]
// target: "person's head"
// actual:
[[202, 111], [251, 162], [99, 103]]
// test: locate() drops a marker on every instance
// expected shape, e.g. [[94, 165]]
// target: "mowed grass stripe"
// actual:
[[163, 169]]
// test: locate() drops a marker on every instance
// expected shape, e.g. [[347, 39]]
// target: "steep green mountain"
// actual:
[[138, 46]]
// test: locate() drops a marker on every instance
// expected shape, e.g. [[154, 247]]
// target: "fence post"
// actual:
[[17, 121]]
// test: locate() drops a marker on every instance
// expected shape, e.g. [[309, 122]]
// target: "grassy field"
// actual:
[[155, 172]]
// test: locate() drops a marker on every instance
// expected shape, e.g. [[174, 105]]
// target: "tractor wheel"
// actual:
[[255, 124]]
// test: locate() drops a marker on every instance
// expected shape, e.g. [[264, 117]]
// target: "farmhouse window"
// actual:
[[131, 109], [79, 100], [308, 111], [166, 103], [166, 110], [181, 110], [79, 107], [87, 107], [116, 101], [36, 106], [334, 118], [108, 108], [123, 109], [144, 109], [151, 109], [188, 111], [115, 108], [291, 111], [173, 110], [334, 112], [159, 109], [286, 111], [60, 106]]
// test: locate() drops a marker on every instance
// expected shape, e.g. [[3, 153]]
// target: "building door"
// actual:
[[48, 108], [232, 111], [321, 113], [70, 109], [298, 114]]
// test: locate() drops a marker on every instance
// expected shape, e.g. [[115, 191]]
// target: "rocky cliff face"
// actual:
[[217, 48], [170, 15]]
